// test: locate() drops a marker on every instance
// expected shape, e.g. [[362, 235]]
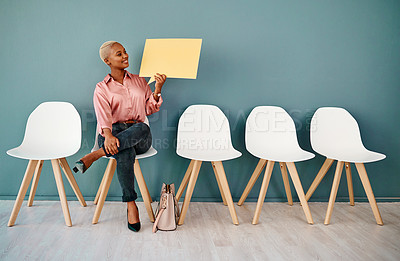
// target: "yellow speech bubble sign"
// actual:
[[176, 58]]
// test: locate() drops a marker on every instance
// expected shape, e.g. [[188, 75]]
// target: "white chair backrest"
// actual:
[[203, 127], [270, 128], [54, 125], [96, 140], [334, 128]]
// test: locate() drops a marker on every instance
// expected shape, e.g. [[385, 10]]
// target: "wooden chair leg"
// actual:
[[109, 165], [349, 182], [335, 186], [286, 183], [219, 184], [189, 191], [185, 180], [61, 191], [300, 192], [257, 171], [144, 190], [96, 199], [104, 189], [35, 181], [71, 179], [22, 191], [263, 191], [225, 188], [368, 190], [321, 174]]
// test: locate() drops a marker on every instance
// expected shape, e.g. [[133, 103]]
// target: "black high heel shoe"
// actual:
[[134, 227], [79, 166]]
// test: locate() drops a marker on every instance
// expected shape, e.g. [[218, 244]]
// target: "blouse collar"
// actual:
[[108, 76]]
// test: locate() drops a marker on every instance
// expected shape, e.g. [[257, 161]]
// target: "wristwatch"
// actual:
[[158, 94]]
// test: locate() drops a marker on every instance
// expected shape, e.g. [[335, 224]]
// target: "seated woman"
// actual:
[[122, 101]]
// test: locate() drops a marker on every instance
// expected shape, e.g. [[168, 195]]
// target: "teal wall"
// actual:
[[299, 55]]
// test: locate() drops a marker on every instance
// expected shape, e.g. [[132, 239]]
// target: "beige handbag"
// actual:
[[167, 213]]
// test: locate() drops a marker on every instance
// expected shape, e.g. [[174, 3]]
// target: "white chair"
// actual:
[[271, 136], [53, 132], [108, 176], [204, 135], [335, 134]]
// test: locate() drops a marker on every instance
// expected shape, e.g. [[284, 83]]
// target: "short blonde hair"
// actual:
[[104, 50]]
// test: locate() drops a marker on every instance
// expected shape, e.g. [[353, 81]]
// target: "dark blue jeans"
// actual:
[[134, 138]]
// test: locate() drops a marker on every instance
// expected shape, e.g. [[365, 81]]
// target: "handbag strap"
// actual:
[[163, 206], [157, 220]]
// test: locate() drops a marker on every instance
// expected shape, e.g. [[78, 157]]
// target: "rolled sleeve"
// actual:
[[152, 105], [103, 110]]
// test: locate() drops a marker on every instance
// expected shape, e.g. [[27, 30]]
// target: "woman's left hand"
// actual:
[[160, 80]]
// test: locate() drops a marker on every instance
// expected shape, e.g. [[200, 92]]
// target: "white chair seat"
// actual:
[[204, 135], [354, 155], [271, 135], [149, 153], [210, 155], [335, 134], [53, 131], [39, 153], [292, 155]]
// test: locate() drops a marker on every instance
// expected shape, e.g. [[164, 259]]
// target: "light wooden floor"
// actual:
[[208, 234]]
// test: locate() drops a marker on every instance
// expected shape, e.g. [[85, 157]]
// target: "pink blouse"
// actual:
[[115, 102]]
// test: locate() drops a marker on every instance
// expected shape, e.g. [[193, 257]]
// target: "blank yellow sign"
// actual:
[[176, 58]]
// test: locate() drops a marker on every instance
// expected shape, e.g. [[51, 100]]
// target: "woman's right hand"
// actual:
[[111, 143]]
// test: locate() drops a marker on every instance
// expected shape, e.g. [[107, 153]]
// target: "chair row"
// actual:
[[53, 132], [204, 135]]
